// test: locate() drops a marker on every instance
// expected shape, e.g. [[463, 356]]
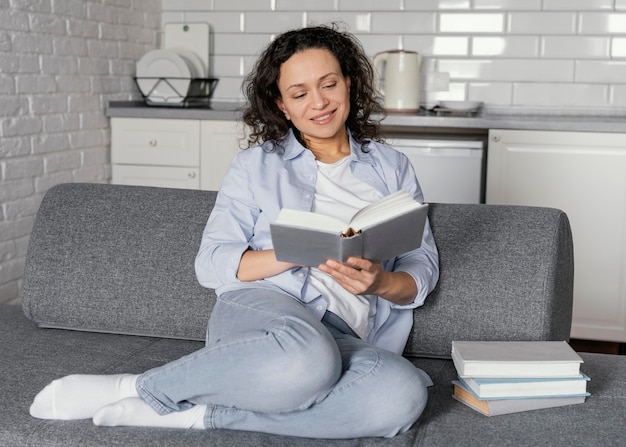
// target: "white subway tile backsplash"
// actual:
[[508, 5], [567, 94], [601, 71], [496, 93], [219, 22], [172, 16], [529, 70], [227, 65], [375, 43], [355, 22], [449, 46], [272, 22], [542, 23], [618, 47], [578, 5], [304, 5], [506, 46], [370, 5], [434, 5], [431, 45], [487, 46], [237, 5], [184, 5], [575, 47], [471, 23], [618, 96], [404, 22], [457, 91], [602, 23], [239, 44]]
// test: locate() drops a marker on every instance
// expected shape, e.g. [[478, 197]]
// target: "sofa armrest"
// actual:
[[506, 274]]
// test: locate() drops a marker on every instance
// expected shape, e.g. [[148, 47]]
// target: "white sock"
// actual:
[[79, 396], [134, 412]]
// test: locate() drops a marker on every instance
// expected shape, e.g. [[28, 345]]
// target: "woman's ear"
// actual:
[[281, 106]]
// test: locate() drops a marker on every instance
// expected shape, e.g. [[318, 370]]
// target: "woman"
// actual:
[[313, 352]]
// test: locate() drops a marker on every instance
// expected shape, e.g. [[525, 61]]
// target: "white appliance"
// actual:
[[448, 170], [401, 79]]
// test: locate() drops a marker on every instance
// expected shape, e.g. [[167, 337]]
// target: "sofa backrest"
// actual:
[[119, 259]]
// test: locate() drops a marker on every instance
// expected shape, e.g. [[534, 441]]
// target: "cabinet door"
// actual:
[[220, 142], [164, 142], [159, 176], [584, 174]]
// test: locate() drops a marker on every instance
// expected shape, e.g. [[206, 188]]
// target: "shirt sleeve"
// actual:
[[229, 229], [422, 263]]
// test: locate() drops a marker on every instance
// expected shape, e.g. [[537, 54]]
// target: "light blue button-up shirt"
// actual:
[[263, 179]]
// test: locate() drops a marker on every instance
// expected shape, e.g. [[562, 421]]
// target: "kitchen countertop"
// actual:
[[419, 122]]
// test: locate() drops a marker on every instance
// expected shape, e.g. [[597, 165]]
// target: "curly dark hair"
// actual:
[[263, 117]]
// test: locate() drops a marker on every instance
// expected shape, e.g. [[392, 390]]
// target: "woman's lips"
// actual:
[[323, 118]]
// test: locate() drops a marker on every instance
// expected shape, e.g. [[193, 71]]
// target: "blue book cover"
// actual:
[[507, 388]]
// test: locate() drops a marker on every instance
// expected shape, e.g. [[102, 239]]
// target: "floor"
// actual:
[[604, 347]]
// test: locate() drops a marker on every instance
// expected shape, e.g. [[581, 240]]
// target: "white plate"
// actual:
[[166, 74], [194, 62], [461, 106]]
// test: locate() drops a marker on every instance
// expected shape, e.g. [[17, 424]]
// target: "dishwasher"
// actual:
[[449, 170]]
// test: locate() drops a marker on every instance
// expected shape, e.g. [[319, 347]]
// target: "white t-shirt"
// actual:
[[339, 194]]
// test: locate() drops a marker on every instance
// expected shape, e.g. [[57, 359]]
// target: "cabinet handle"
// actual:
[[191, 174], [152, 142]]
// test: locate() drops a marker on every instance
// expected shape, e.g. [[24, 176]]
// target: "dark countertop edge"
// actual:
[[397, 122], [138, 109]]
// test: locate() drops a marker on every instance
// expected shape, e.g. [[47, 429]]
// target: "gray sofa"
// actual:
[[109, 287]]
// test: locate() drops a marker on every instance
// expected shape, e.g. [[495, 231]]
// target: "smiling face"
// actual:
[[315, 96]]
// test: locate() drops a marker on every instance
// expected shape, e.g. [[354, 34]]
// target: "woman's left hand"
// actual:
[[362, 277]]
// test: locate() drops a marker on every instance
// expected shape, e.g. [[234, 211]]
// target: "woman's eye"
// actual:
[[331, 85]]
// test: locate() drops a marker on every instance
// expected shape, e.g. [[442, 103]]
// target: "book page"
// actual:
[[384, 209], [306, 219]]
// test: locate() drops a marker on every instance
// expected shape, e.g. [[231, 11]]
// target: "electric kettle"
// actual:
[[401, 79]]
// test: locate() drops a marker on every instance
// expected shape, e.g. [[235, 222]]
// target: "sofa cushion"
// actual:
[[506, 273], [118, 259]]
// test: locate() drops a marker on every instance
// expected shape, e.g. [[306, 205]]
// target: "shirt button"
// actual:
[[320, 307]]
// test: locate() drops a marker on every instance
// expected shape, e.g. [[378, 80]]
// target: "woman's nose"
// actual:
[[319, 100]]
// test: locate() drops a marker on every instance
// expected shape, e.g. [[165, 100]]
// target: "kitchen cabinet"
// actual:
[[584, 174], [172, 153], [220, 142]]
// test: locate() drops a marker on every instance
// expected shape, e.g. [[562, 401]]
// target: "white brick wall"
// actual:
[[61, 62], [567, 54]]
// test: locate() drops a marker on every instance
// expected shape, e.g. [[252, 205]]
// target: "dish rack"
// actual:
[[198, 95]]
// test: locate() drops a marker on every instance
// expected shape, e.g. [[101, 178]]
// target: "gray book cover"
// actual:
[[380, 241]]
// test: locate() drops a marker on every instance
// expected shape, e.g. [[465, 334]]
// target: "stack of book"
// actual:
[[508, 377]]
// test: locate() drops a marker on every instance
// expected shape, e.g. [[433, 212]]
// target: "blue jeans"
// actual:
[[270, 366]]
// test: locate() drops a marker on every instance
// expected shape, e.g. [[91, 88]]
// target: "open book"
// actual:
[[384, 229]]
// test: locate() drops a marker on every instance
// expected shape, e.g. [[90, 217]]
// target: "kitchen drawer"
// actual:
[[160, 176], [155, 141]]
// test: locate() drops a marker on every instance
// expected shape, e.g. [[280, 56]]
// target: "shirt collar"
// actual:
[[293, 148]]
